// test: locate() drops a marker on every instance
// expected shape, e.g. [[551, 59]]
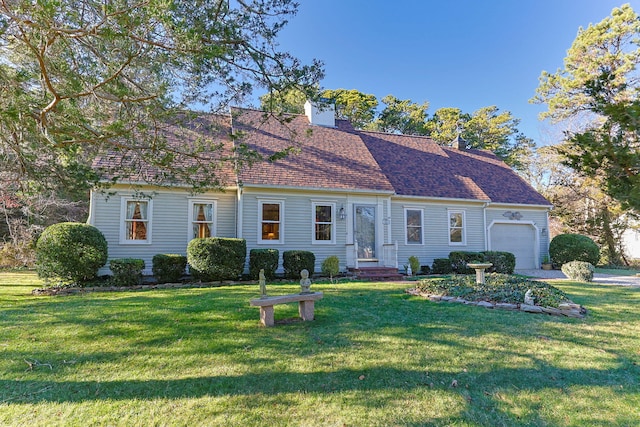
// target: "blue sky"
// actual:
[[464, 53]]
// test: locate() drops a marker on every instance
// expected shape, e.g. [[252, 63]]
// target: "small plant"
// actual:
[[331, 266], [425, 269], [578, 270], [168, 268], [414, 263], [71, 252], [126, 271]]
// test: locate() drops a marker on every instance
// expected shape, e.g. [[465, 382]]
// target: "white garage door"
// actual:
[[519, 239]]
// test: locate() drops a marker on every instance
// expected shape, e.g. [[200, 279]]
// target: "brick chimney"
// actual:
[[321, 114], [459, 143]]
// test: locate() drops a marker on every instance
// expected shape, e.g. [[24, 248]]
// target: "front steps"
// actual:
[[378, 274]]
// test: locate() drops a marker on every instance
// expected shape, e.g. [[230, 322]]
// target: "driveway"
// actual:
[[605, 279]]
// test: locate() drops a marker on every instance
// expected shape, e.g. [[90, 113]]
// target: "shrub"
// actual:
[[503, 262], [266, 259], [216, 258], [578, 270], [168, 267], [573, 247], [425, 269], [460, 259], [441, 266], [414, 263], [497, 288], [296, 261], [72, 252], [331, 266], [126, 271]]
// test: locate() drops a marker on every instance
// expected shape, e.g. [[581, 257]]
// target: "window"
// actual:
[[136, 224], [202, 219], [323, 222], [413, 218], [271, 222], [456, 228]]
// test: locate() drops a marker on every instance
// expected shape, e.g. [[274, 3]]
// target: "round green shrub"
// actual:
[[126, 271], [460, 259], [216, 258], [331, 266], [168, 268], [578, 270], [70, 252], [442, 266], [263, 259], [503, 262], [294, 262], [573, 247]]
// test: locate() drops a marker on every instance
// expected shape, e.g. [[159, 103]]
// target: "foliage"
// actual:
[[486, 129], [573, 247], [414, 263], [357, 107], [71, 252], [609, 151], [331, 266], [126, 271], [296, 261], [498, 288], [460, 259], [441, 266], [85, 76], [216, 258], [578, 270], [425, 269], [401, 116], [168, 268], [611, 45], [503, 262], [266, 259]]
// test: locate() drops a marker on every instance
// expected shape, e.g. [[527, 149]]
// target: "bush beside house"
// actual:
[[216, 258], [70, 252], [573, 247]]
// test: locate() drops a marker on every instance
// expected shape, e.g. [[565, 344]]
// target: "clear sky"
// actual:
[[452, 53]]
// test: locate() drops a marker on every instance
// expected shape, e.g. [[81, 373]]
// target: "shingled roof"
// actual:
[[345, 159]]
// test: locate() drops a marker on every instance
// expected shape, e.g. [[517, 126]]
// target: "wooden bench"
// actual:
[[306, 305]]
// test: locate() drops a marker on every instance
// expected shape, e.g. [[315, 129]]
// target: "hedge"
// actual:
[[126, 271], [216, 258], [263, 259], [573, 247], [168, 268], [296, 261]]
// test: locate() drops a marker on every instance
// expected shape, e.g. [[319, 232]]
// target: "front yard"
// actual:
[[373, 356]]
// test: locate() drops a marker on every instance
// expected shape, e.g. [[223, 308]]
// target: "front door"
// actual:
[[365, 231]]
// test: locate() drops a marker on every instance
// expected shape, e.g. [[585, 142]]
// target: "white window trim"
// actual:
[[262, 202], [123, 222], [406, 240], [214, 218], [333, 223], [464, 227]]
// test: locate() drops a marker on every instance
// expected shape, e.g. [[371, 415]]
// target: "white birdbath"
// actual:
[[480, 268]]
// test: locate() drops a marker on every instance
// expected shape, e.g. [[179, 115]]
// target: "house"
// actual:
[[372, 199]]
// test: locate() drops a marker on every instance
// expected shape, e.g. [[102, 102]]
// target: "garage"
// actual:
[[519, 239]]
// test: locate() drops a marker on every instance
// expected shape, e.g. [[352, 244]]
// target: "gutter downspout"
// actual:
[[486, 232]]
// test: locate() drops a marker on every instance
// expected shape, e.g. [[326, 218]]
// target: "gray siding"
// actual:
[[436, 229], [297, 224], [169, 222]]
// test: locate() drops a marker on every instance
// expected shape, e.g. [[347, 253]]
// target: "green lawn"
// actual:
[[374, 356]]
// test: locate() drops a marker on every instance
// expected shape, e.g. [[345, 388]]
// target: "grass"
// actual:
[[374, 356], [618, 271]]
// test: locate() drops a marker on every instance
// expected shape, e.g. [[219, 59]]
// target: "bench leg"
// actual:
[[306, 309], [266, 315]]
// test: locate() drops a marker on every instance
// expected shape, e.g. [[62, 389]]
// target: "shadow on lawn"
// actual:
[[480, 389]]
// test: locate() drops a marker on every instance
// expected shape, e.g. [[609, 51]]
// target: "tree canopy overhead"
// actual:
[[611, 45], [82, 76]]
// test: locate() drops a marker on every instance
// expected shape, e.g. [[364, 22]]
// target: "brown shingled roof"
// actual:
[[331, 158], [342, 158]]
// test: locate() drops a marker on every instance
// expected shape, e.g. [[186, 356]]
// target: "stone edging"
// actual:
[[565, 309]]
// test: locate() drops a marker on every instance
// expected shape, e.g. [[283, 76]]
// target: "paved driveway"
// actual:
[[605, 279]]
